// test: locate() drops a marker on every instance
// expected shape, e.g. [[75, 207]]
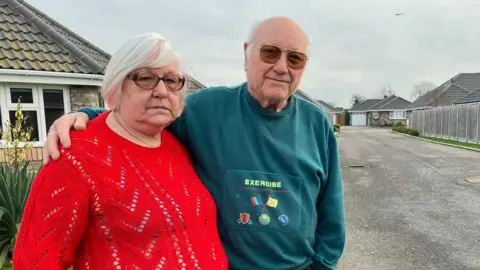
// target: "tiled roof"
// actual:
[[303, 95], [30, 40], [392, 103], [328, 107], [450, 91], [382, 102], [365, 105], [471, 98]]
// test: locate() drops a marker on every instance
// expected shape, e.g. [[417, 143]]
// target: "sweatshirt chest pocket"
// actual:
[[261, 201]]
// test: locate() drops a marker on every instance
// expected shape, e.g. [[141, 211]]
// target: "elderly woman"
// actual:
[[125, 194]]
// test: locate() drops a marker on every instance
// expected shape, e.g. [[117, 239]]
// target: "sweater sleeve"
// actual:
[[92, 112], [330, 233], [54, 221]]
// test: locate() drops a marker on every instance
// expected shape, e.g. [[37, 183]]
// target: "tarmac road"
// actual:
[[410, 206]]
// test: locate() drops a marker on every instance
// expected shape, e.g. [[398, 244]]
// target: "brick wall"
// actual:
[[84, 96], [383, 120], [34, 155]]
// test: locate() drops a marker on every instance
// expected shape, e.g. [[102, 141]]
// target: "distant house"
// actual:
[[449, 93], [303, 95], [379, 112], [51, 68], [337, 113]]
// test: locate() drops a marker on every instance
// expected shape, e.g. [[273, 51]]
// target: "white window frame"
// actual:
[[397, 115], [38, 105]]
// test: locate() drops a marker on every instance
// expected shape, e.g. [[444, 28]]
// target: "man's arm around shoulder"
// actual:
[[92, 112]]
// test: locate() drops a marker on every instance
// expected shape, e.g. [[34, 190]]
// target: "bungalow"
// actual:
[[332, 114], [379, 112], [447, 94], [336, 113], [51, 68]]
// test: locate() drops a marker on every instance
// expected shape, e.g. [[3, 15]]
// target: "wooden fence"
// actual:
[[457, 122]]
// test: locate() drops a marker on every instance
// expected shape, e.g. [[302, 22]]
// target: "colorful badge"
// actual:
[[256, 201], [283, 219], [244, 218], [264, 219], [272, 202]]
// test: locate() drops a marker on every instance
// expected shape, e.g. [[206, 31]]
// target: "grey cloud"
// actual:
[[357, 46]]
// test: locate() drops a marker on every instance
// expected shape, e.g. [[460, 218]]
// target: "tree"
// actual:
[[357, 99], [421, 89], [385, 91]]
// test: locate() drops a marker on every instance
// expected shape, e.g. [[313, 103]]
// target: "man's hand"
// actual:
[[60, 129]]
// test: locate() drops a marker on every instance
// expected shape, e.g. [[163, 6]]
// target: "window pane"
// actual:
[[31, 121], [53, 104], [26, 95], [53, 98], [391, 115]]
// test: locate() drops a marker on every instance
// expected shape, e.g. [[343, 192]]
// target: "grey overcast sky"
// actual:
[[357, 45]]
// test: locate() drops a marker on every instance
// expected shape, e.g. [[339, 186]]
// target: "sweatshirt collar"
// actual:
[[255, 105]]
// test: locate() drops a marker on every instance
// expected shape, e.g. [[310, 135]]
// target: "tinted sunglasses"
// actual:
[[148, 80], [271, 54]]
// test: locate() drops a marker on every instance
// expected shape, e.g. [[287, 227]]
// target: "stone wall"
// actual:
[[84, 96], [383, 120]]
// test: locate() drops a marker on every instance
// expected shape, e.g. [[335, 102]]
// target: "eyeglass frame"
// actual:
[[283, 50], [134, 76]]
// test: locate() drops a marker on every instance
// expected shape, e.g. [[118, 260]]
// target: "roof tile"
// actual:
[[474, 97], [24, 46]]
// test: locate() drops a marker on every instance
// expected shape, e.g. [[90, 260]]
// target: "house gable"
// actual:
[[460, 86]]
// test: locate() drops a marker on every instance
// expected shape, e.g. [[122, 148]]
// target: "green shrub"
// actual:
[[413, 132], [397, 124], [15, 184], [336, 128], [405, 130]]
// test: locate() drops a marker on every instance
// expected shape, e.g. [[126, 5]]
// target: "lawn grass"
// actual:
[[470, 145]]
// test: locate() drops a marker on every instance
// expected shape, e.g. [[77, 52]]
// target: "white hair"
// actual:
[[254, 29], [149, 50]]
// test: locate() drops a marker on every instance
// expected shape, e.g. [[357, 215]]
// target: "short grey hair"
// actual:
[[254, 29], [149, 50]]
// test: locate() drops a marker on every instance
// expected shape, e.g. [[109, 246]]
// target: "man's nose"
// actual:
[[281, 65]]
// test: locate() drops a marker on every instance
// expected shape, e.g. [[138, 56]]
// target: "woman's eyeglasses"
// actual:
[[271, 54], [148, 80]]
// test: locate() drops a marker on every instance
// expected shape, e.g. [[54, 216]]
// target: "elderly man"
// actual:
[[269, 158]]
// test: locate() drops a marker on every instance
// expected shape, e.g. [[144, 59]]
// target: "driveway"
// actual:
[[409, 207]]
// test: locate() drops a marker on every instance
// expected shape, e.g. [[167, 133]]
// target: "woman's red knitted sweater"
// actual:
[[108, 203]]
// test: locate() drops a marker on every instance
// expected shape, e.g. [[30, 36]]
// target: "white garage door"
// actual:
[[359, 119]]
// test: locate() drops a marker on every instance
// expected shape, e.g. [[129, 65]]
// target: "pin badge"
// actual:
[[244, 218], [264, 219], [283, 219]]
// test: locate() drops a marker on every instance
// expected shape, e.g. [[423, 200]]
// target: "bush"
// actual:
[[405, 130], [15, 183], [413, 132], [398, 124], [336, 128]]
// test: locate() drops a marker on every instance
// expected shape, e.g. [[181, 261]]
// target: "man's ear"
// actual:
[[245, 54]]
